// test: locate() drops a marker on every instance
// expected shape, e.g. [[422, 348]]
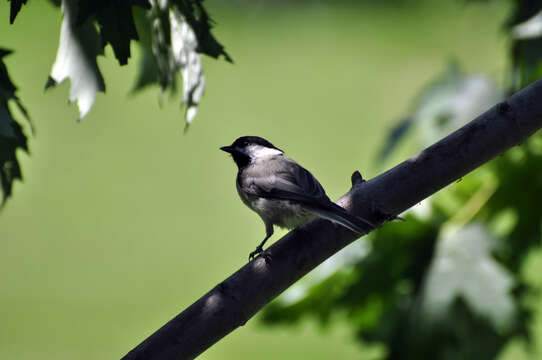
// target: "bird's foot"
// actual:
[[256, 252]]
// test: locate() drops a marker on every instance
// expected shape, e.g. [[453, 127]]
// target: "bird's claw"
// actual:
[[253, 254]]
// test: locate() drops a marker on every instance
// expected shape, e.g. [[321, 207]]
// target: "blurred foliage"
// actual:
[[446, 284], [11, 133], [525, 23], [525, 27], [450, 101]]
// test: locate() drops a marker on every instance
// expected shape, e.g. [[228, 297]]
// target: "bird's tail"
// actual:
[[337, 214]]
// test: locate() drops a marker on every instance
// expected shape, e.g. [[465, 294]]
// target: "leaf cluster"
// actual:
[[525, 23], [171, 34]]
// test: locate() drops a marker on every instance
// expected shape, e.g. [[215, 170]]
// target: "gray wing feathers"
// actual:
[[286, 180], [337, 214], [281, 177]]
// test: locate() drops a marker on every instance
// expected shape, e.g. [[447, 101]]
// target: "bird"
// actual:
[[282, 192]]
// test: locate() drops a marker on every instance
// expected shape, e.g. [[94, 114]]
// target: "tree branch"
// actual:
[[235, 300]]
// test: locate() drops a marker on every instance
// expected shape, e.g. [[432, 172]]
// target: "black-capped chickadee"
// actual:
[[281, 191]]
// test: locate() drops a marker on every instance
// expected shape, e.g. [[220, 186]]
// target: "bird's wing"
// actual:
[[286, 180]]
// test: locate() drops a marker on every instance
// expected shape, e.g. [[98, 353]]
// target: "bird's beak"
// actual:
[[227, 149]]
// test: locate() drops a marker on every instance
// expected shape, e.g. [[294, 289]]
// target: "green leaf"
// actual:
[[115, 21], [317, 292], [526, 61], [183, 46], [11, 133], [520, 181], [76, 59], [148, 70], [383, 294], [523, 11], [368, 282], [526, 48], [172, 35], [463, 267], [201, 23], [451, 101], [531, 28], [148, 66], [447, 103]]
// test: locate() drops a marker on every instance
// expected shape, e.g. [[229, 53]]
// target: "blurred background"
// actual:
[[122, 220]]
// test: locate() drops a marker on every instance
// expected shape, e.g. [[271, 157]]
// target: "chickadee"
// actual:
[[281, 191]]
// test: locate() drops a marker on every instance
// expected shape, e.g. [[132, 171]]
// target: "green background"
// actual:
[[123, 221]]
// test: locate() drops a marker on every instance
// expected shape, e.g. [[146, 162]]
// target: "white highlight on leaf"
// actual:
[[453, 103], [529, 29], [463, 267], [162, 4], [76, 59], [191, 113], [183, 46]]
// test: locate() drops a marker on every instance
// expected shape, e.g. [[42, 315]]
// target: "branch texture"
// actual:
[[235, 300]]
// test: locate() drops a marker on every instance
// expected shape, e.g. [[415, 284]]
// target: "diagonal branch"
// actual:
[[235, 300]]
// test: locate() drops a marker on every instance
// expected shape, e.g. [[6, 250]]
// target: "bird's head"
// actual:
[[247, 149]]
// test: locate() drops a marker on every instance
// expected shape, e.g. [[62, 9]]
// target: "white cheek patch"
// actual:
[[261, 151]]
